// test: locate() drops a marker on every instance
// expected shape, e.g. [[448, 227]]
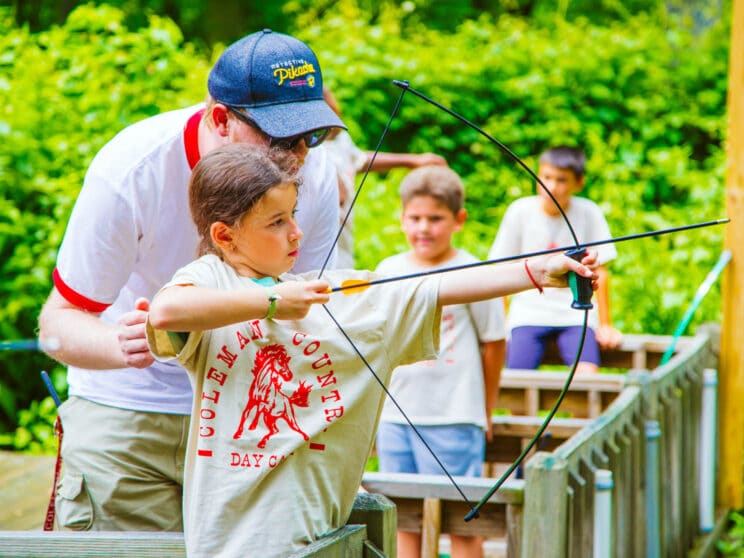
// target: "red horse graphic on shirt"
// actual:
[[265, 396]]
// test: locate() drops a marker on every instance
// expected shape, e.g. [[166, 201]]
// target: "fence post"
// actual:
[[653, 433], [602, 513], [707, 447], [380, 516], [545, 507]]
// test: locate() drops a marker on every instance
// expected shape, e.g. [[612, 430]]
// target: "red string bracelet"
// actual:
[[529, 274]]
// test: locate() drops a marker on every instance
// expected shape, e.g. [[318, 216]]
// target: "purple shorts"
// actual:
[[526, 347]]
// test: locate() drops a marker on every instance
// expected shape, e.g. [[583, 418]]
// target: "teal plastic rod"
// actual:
[[702, 290]]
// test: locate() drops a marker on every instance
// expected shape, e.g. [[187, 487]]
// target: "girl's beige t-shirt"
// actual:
[[285, 412]]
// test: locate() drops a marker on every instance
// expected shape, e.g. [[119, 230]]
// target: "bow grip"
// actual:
[[581, 287]]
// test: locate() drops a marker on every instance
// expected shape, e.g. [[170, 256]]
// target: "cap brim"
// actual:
[[291, 119]]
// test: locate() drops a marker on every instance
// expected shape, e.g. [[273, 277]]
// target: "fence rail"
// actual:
[[370, 533]]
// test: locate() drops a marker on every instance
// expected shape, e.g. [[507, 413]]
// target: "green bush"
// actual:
[[201, 21], [35, 431], [732, 543]]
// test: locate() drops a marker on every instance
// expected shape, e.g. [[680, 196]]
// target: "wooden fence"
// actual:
[[620, 478], [648, 444]]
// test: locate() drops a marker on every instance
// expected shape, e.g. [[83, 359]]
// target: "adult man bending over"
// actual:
[[126, 421]]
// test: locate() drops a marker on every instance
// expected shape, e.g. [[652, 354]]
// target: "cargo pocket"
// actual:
[[74, 508]]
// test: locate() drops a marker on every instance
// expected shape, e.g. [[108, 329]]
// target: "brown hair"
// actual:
[[229, 181], [441, 183]]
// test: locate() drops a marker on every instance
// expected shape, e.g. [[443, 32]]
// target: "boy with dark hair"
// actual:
[[534, 223]]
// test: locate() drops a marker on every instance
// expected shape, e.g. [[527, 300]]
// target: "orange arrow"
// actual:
[[350, 286]]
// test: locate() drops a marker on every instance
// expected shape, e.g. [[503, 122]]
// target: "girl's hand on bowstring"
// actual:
[[297, 297]]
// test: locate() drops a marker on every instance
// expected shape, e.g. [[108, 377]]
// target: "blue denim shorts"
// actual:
[[461, 449]]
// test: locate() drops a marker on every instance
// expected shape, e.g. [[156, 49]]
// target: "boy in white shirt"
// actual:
[[449, 400], [534, 223]]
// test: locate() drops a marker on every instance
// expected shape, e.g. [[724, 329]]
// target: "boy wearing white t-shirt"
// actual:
[[448, 399], [285, 410], [534, 223]]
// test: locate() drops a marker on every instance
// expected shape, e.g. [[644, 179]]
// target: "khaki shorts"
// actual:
[[121, 470]]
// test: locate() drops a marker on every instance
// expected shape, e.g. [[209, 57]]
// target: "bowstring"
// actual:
[[346, 335], [362, 181], [402, 412]]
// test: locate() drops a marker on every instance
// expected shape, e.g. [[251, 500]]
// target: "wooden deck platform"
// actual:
[[25, 487]]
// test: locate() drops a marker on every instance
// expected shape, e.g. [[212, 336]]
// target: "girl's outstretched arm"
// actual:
[[470, 285], [192, 308]]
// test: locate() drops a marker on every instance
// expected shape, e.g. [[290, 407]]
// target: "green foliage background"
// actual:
[[64, 92], [210, 21], [644, 93]]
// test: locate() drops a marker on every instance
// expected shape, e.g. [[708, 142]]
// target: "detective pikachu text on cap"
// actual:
[[276, 80]]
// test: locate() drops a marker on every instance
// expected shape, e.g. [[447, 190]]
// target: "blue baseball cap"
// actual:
[[275, 80]]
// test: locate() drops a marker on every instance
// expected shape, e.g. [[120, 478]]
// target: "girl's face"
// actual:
[[266, 242]]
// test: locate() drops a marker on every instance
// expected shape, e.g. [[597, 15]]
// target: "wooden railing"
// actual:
[[630, 446], [646, 445], [564, 483], [370, 533], [430, 504], [526, 392]]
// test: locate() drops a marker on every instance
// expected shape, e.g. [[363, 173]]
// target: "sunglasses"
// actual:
[[312, 139]]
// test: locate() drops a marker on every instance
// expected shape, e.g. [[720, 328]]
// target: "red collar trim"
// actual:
[[191, 138]]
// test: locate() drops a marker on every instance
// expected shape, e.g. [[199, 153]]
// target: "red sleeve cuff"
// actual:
[[76, 298]]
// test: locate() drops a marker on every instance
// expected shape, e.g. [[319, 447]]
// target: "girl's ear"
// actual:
[[222, 236]]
